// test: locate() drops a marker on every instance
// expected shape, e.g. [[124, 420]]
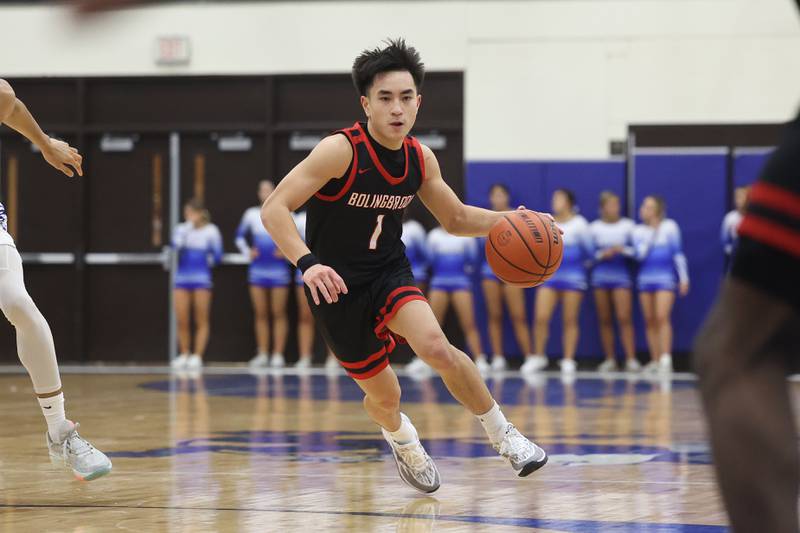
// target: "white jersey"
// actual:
[[614, 271], [5, 237]]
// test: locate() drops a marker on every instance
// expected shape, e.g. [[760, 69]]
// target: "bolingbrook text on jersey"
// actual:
[[379, 201]]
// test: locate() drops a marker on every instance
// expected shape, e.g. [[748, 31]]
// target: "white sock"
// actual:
[[53, 411], [495, 423], [277, 354], [666, 355], [405, 433]]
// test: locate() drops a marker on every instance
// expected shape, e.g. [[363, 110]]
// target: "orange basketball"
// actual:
[[524, 248]]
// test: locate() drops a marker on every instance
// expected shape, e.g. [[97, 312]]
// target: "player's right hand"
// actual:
[[62, 156], [325, 280]]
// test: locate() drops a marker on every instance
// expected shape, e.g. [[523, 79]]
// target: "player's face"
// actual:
[[264, 190], [611, 208], [499, 199], [392, 104], [740, 198]]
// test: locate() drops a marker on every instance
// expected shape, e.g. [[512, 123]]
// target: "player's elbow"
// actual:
[[269, 210], [454, 223], [7, 100]]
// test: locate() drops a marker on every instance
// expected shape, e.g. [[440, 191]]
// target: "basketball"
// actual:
[[524, 248]]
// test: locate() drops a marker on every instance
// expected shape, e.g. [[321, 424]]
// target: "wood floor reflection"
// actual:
[[287, 452]]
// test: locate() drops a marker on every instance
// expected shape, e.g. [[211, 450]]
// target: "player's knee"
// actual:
[[20, 309], [387, 399], [438, 353]]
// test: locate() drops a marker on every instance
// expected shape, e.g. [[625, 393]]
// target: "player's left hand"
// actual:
[[62, 156], [683, 288], [546, 215]]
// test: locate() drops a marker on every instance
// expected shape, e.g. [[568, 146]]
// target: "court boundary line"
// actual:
[[528, 523]]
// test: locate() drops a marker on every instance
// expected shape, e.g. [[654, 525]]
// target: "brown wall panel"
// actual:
[[121, 192], [53, 101], [127, 316], [176, 101]]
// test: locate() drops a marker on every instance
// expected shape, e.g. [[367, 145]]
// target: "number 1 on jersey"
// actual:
[[373, 242]]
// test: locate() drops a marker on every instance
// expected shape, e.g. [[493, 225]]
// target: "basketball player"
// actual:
[[269, 279], [748, 345], [358, 181], [35, 345]]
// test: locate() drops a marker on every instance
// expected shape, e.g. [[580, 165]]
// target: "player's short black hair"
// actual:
[[396, 55]]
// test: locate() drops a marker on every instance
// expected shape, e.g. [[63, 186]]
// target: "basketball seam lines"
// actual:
[[549, 248], [522, 238], [489, 240]]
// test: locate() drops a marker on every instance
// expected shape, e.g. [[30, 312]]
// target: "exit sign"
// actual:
[[173, 50]]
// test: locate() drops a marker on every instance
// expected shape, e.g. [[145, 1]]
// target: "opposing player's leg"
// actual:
[[742, 356], [664, 300], [37, 353], [416, 323], [382, 403], [623, 309], [493, 296], [279, 296], [258, 297], [183, 317], [602, 302]]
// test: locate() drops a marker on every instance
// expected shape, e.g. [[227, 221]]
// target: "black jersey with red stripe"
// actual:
[[355, 222]]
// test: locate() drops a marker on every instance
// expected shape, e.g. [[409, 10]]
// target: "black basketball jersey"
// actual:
[[355, 222]]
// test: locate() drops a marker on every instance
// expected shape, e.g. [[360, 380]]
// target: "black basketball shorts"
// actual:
[[355, 327], [768, 254]]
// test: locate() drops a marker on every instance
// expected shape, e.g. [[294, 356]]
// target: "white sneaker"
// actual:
[[414, 464], [277, 361], [304, 363], [86, 461], [650, 368], [259, 361], [665, 364], [534, 363], [499, 363], [179, 363], [609, 365], [568, 366], [194, 362], [524, 456], [483, 366], [632, 365], [332, 365]]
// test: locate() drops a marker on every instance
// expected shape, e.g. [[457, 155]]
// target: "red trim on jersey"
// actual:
[[395, 293], [361, 364], [381, 328], [353, 170], [771, 233], [388, 177], [371, 373], [420, 155], [775, 197]]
